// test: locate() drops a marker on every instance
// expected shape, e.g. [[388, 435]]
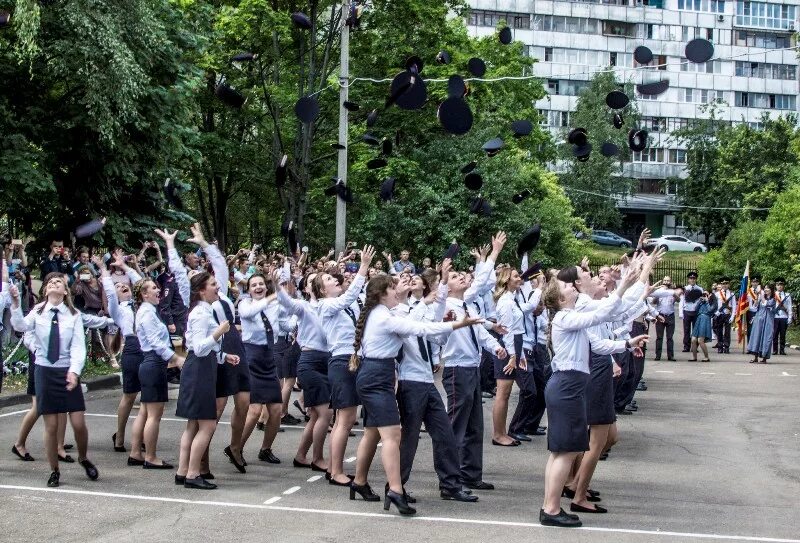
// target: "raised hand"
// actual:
[[444, 270], [197, 236], [367, 254], [168, 238], [585, 263]]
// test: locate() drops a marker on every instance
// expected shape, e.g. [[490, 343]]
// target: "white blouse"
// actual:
[[384, 332], [199, 330], [72, 345]]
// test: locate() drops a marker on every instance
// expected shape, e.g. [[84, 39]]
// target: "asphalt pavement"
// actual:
[[712, 454]]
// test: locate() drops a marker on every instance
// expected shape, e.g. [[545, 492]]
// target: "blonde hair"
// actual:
[[503, 277]]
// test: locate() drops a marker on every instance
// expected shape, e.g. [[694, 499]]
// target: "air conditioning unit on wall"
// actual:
[[721, 18]]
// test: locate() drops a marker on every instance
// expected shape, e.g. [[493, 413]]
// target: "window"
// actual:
[[709, 67], [764, 70], [688, 95], [676, 156], [761, 14], [651, 186], [559, 23], [548, 54], [612, 58], [552, 86], [652, 154], [619, 28], [765, 101], [714, 6], [479, 17]]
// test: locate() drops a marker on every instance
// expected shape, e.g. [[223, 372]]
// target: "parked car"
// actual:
[[604, 237], [677, 243]]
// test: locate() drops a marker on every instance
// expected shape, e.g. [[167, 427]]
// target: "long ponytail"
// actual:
[[375, 290]]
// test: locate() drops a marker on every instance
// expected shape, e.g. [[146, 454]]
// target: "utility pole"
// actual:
[[341, 173]]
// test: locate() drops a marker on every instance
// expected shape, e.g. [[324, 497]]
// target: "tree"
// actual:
[[599, 175]]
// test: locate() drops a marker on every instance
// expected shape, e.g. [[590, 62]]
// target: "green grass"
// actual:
[[793, 335]]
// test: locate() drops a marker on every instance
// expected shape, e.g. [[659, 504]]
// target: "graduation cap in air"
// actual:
[[582, 152], [451, 251], [408, 91], [244, 56], [476, 67], [354, 15], [228, 95], [493, 146], [341, 190], [520, 197], [617, 99], [653, 89], [469, 167], [473, 181], [521, 128], [90, 228], [577, 136], [455, 116], [301, 20], [529, 240], [350, 106], [637, 139], [505, 36], [456, 86], [339, 146], [5, 17], [281, 171], [443, 57], [642, 55], [480, 206], [377, 163], [617, 121], [414, 65], [372, 118], [387, 189], [699, 50], [609, 149], [307, 109], [534, 270], [693, 295], [386, 147], [288, 232], [370, 139], [171, 194]]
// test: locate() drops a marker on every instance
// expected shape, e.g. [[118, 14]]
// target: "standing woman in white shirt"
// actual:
[[60, 356], [339, 324], [378, 341], [197, 398]]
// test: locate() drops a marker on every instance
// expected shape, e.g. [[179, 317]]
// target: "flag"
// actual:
[[744, 304]]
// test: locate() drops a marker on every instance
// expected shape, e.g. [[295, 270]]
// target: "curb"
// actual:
[[112, 380]]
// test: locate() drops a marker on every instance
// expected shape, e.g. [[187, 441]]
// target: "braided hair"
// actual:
[[376, 288], [197, 283], [137, 298]]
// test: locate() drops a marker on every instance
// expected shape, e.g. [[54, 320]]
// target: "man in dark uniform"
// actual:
[[726, 309], [173, 312], [688, 308], [782, 318]]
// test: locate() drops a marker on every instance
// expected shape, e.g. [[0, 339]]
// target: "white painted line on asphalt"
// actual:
[[291, 490], [787, 374], [13, 413], [351, 459], [743, 374], [314, 478], [664, 371], [266, 506], [707, 373]]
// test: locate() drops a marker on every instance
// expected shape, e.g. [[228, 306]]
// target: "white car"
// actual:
[[677, 243]]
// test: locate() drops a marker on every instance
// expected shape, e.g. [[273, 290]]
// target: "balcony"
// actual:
[[619, 28]]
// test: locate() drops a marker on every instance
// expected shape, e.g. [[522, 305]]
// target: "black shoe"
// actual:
[[162, 465], [574, 507], [686, 351], [315, 467], [561, 520], [400, 502], [299, 407], [91, 471], [409, 498], [487, 395], [671, 359], [457, 495], [265, 455], [199, 483], [519, 437], [240, 467], [641, 388], [27, 457], [658, 357], [69, 447], [207, 476], [479, 485], [623, 412], [537, 432], [134, 462], [260, 426], [782, 352], [66, 458], [52, 482], [290, 420], [631, 407], [512, 444], [334, 482], [365, 491], [180, 479], [604, 456], [542, 428], [114, 441], [297, 464]]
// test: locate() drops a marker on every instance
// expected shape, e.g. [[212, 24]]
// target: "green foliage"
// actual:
[[740, 245]]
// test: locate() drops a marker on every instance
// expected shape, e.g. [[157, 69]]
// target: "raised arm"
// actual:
[[176, 266]]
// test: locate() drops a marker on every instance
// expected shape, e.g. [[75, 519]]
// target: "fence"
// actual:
[[676, 269]]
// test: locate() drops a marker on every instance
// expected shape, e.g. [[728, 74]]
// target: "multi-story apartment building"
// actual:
[[754, 71]]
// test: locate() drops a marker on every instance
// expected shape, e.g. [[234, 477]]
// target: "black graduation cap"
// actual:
[[519, 197], [377, 163], [691, 275], [228, 95], [476, 67], [244, 56], [456, 86], [287, 226], [637, 139], [480, 206], [780, 281], [582, 152], [281, 171], [301, 20], [291, 239], [387, 189], [609, 149], [693, 295], [341, 190], [653, 89], [90, 228], [493, 146], [351, 106], [529, 240], [171, 194], [401, 84], [469, 167], [534, 270], [372, 118], [455, 116], [339, 146], [642, 55], [522, 127], [370, 139], [451, 251], [473, 181], [725, 279], [699, 50], [386, 147], [577, 136], [5, 17], [414, 65], [617, 99], [505, 36], [443, 57], [408, 91], [618, 121], [307, 109]]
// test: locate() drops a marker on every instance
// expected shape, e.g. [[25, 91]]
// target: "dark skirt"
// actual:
[[153, 378], [312, 371], [498, 368], [132, 358], [567, 427], [286, 355], [375, 386], [600, 391], [233, 379], [52, 395], [31, 391], [264, 384], [197, 398], [343, 383]]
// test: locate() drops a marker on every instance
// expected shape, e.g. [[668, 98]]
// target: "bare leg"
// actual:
[[320, 433], [123, 412], [703, 348], [78, 422], [26, 426], [390, 456], [694, 349], [253, 414], [286, 393], [241, 405], [598, 438], [345, 418], [62, 432], [199, 446], [151, 427], [366, 452], [613, 436], [273, 423], [555, 476], [51, 440], [137, 433], [186, 447], [307, 438], [500, 411]]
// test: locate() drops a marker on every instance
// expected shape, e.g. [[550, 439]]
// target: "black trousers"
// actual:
[[689, 317], [779, 336], [669, 326], [488, 383], [526, 403], [722, 328], [462, 385], [637, 365], [420, 402], [626, 381]]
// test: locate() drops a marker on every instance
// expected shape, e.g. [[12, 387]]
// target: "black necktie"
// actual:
[[227, 310], [471, 331], [477, 307], [54, 344], [424, 346], [351, 314], [268, 329], [400, 355], [524, 324]]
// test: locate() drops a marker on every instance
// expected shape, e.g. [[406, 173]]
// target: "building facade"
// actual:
[[753, 72]]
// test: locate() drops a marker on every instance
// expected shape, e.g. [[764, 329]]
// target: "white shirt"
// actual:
[[414, 367], [309, 327], [121, 312], [152, 332], [786, 311], [72, 346], [728, 305], [665, 301], [181, 278], [199, 330], [253, 330], [460, 349], [569, 335], [511, 315], [384, 333], [339, 329]]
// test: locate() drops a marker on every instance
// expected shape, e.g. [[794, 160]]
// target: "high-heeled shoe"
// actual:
[[114, 441], [409, 498], [334, 482], [365, 491], [399, 501], [297, 464]]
